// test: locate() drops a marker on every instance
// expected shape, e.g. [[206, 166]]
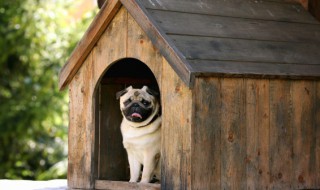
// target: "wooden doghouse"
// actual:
[[240, 91]]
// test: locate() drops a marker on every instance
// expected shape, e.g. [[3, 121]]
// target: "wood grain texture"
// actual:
[[120, 185], [87, 42], [255, 70], [176, 131], [257, 122], [251, 9], [206, 135], [268, 134], [106, 52], [226, 133], [87, 98], [317, 133], [211, 48], [233, 134], [141, 47], [303, 95], [131, 43], [228, 29], [81, 129], [160, 40], [281, 141], [236, 28], [113, 162]]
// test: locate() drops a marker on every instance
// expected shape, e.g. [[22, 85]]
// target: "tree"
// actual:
[[36, 38]]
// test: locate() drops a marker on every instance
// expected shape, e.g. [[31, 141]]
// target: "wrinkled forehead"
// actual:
[[139, 93]]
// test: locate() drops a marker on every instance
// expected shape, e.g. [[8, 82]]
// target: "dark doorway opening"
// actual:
[[110, 156]]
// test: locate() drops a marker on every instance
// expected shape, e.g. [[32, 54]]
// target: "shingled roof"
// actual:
[[251, 38]]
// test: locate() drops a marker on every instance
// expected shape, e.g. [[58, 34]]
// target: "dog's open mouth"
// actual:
[[136, 115]]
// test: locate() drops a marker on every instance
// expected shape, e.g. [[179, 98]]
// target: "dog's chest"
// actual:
[[140, 141], [142, 146]]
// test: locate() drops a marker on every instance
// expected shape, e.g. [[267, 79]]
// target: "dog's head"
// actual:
[[138, 106]]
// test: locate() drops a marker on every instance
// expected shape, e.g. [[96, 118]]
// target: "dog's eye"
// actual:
[[145, 102], [127, 102]]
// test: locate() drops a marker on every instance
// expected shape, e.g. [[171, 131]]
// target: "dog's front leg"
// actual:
[[135, 167], [149, 164]]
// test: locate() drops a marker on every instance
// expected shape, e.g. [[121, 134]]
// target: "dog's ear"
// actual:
[[122, 92], [150, 91]]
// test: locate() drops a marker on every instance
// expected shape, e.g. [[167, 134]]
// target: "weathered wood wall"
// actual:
[[176, 131], [256, 134], [224, 134], [82, 131], [90, 144]]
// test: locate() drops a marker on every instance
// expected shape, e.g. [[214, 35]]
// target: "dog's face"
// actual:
[[138, 106]]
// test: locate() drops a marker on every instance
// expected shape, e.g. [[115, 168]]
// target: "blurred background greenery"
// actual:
[[36, 38]]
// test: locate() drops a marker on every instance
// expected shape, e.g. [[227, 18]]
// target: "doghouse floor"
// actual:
[[120, 185]]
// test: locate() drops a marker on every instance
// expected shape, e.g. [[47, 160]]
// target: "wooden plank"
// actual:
[[234, 8], [317, 133], [106, 52], [112, 156], [125, 80], [96, 101], [176, 131], [113, 162], [257, 122], [230, 27], [87, 42], [263, 122], [233, 134], [120, 185], [81, 129], [206, 138], [210, 48], [281, 142], [255, 70], [160, 40], [303, 96], [141, 47]]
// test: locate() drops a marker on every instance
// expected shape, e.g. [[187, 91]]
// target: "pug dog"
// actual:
[[141, 131]]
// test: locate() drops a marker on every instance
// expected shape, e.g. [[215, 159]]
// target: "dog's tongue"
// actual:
[[136, 115]]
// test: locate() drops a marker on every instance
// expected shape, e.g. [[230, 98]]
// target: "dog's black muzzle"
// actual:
[[137, 112]]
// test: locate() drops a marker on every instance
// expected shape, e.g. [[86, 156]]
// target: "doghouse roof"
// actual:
[[250, 38]]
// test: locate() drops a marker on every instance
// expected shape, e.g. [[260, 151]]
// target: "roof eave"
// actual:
[[86, 44]]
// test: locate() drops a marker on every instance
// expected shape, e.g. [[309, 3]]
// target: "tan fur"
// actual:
[[141, 142]]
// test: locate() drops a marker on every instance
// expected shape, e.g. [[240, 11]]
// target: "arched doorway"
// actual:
[[110, 156]]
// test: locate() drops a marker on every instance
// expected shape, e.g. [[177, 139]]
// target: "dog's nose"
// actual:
[[135, 105]]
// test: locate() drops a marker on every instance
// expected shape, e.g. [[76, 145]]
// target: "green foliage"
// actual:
[[36, 38]]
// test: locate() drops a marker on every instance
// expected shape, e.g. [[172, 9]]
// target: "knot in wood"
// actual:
[[230, 137], [301, 179]]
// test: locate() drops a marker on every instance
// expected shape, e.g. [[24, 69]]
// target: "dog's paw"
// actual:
[[132, 181], [146, 180]]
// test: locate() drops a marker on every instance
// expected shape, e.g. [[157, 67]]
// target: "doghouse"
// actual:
[[240, 93]]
